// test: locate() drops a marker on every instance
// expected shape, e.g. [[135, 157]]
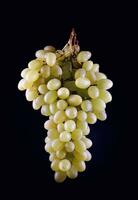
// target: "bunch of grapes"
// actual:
[[69, 89]]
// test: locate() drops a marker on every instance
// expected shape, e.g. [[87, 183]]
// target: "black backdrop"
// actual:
[[106, 29]]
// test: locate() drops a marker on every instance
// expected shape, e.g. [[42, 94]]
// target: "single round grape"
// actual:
[[23, 85], [79, 145], [49, 48], [42, 89], [74, 100], [64, 165], [101, 115], [40, 54], [95, 67], [52, 156], [45, 110], [83, 56], [47, 139], [32, 76], [100, 76], [55, 165], [80, 165], [50, 58], [57, 145], [48, 147], [82, 83], [77, 134], [49, 124], [83, 125], [80, 73], [31, 94], [104, 84], [91, 118], [56, 71], [86, 105], [45, 71], [86, 131], [60, 177], [88, 65], [82, 115], [72, 172], [65, 136], [50, 97], [105, 96], [62, 104], [69, 146], [93, 92], [61, 154], [38, 102], [24, 72], [53, 108], [87, 142], [60, 127], [91, 76], [59, 117], [35, 64], [53, 133], [80, 156], [69, 125], [53, 84], [89, 156], [98, 104], [63, 93], [71, 112]]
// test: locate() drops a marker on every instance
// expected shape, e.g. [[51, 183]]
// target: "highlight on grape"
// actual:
[[69, 89]]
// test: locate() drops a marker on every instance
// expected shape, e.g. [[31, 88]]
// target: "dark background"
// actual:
[[107, 29]]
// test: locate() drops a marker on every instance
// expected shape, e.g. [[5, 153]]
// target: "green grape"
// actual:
[[98, 104], [80, 73], [38, 102], [64, 165], [104, 84], [83, 125], [77, 134], [80, 165], [72, 172], [105, 96], [95, 67], [61, 154], [93, 92], [50, 97], [53, 108], [82, 83], [91, 118], [86, 105], [101, 115], [35, 64], [71, 112], [53, 133], [80, 156], [57, 145], [60, 176], [62, 104], [100, 76], [69, 146], [49, 124], [55, 165], [87, 142], [56, 71], [63, 93], [91, 76], [69, 125], [60, 127], [31, 94], [52, 156], [40, 54], [86, 131], [89, 156], [82, 115], [65, 136], [32, 75], [88, 65], [79, 146], [42, 89], [83, 56], [48, 147], [23, 85], [59, 117], [74, 100], [45, 71], [66, 68], [50, 58], [53, 84], [45, 110], [24, 72]]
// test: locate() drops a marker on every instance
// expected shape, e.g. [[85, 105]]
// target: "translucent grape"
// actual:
[[64, 165], [100, 76], [88, 65], [65, 136], [89, 156], [59, 117], [77, 134], [80, 73], [57, 145], [95, 67], [82, 83], [63, 93], [60, 177], [42, 89], [60, 127], [69, 146], [80, 156], [24, 72], [79, 145], [98, 104], [48, 147], [87, 142], [91, 76], [61, 104], [93, 92], [50, 58], [32, 75], [105, 96], [49, 124], [101, 115], [71, 112], [61, 154], [72, 172], [69, 125], [31, 94], [53, 133], [82, 115], [91, 118], [40, 54], [49, 48], [83, 56], [55, 165], [35, 64], [80, 165], [74, 100], [52, 156], [53, 108], [82, 125], [50, 97], [104, 84], [86, 105], [45, 110], [56, 71], [38, 102], [45, 71], [53, 84]]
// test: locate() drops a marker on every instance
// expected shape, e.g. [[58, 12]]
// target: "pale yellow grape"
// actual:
[[74, 100], [24, 72], [60, 127], [60, 177], [49, 124], [59, 117], [53, 107], [48, 147], [62, 104], [104, 84], [55, 165], [40, 54], [91, 118], [69, 146], [45, 110], [24, 84], [53, 133], [77, 134], [50, 58], [52, 156], [64, 165], [56, 71], [50, 97], [93, 92], [53, 84], [83, 125], [80, 156], [49, 48], [83, 56], [61, 154], [71, 112], [45, 71], [95, 67], [87, 142], [86, 131], [20, 85], [80, 73], [89, 156], [31, 94], [86, 105], [88, 65], [79, 145], [57, 145], [35, 64], [100, 76], [38, 102], [105, 96], [65, 136], [63, 93], [101, 115], [98, 104], [42, 89], [32, 76], [47, 139], [82, 83], [72, 172], [82, 115], [69, 125], [80, 165], [91, 76]]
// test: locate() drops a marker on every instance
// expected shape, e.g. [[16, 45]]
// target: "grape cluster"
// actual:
[[70, 90]]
